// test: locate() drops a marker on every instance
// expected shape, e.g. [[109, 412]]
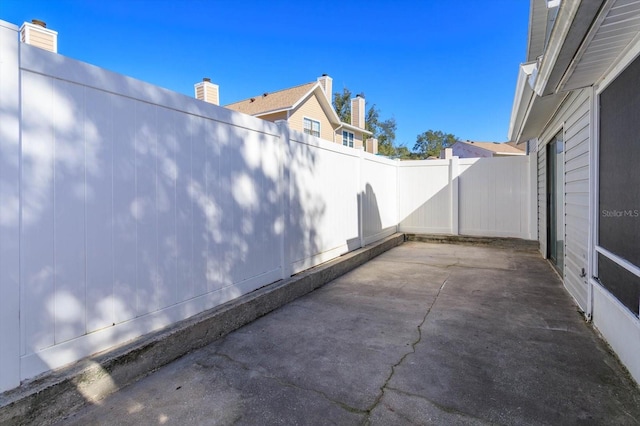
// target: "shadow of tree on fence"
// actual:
[[141, 207]]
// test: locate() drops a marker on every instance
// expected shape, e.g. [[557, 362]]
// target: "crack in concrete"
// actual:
[[444, 408], [283, 382], [407, 419], [367, 419]]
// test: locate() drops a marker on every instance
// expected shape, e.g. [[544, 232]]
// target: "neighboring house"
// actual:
[[471, 149], [307, 108], [577, 105]]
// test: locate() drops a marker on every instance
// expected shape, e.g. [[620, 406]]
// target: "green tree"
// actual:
[[384, 131], [431, 142], [372, 118], [386, 136], [403, 153], [342, 105]]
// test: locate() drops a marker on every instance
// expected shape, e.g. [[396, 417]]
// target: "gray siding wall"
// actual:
[[574, 117], [577, 134]]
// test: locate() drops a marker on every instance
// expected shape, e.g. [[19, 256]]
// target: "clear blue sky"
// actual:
[[441, 65]]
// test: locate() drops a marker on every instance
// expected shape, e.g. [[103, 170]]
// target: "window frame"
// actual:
[[599, 251], [348, 138], [309, 130]]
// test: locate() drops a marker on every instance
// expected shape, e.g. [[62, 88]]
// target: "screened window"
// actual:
[[347, 139], [618, 244], [312, 127]]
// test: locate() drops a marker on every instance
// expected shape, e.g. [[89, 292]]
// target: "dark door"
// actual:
[[555, 202]]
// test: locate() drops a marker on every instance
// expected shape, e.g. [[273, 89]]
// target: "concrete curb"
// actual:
[[497, 242], [51, 397]]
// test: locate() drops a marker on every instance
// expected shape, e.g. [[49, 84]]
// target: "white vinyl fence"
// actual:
[[476, 196], [125, 207]]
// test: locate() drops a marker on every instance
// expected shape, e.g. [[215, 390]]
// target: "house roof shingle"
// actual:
[[498, 148], [271, 102]]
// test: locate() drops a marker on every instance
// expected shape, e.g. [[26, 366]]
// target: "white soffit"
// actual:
[[539, 111], [617, 25], [538, 19]]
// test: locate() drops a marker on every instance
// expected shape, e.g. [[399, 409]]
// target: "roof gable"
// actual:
[[496, 147], [281, 100], [289, 100], [326, 106]]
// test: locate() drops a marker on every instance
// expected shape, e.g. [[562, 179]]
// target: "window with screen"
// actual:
[[618, 244]]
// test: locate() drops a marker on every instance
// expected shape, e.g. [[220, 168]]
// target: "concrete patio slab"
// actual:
[[426, 333]]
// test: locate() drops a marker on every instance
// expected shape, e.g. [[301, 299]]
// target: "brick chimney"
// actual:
[[207, 91], [326, 83], [37, 34], [357, 111]]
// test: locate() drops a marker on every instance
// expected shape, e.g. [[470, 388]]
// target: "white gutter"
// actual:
[[273, 111], [521, 101], [352, 127]]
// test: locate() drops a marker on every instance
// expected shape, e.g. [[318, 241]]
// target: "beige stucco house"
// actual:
[[307, 108]]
